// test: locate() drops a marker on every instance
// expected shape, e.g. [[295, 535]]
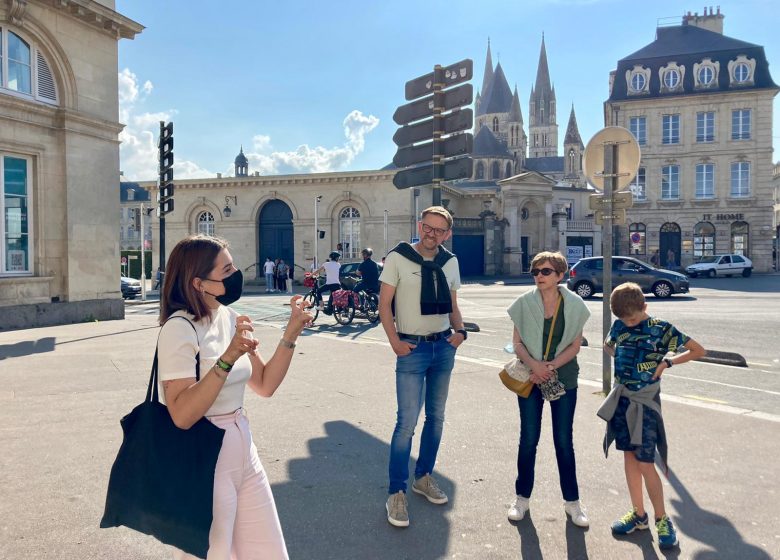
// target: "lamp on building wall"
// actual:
[[226, 210]]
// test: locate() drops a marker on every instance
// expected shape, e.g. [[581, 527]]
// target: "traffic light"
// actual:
[[165, 145]]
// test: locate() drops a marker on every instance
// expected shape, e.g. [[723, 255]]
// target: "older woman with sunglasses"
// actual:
[[532, 315]]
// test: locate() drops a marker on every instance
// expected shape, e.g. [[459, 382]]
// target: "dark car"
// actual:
[[130, 287], [348, 274], [587, 277]]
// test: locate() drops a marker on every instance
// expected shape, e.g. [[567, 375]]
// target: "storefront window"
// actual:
[[637, 236], [739, 238], [15, 223], [703, 240]]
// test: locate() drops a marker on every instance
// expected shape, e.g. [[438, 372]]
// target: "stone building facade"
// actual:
[[700, 105], [58, 155]]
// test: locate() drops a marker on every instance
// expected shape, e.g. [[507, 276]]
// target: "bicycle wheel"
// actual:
[[372, 308], [344, 313], [311, 302]]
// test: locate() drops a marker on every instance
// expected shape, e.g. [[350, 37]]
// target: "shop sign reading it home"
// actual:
[[722, 217]]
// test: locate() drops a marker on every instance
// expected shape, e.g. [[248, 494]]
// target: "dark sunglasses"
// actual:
[[544, 271]]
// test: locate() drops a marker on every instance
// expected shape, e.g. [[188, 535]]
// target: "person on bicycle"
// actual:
[[369, 274], [332, 282]]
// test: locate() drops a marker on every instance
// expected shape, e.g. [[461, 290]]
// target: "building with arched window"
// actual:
[[700, 106], [59, 241]]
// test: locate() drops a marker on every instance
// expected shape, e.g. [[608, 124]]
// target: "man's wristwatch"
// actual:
[[668, 362], [463, 332]]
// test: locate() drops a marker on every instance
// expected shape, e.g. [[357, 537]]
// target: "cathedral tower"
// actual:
[[573, 149], [543, 128]]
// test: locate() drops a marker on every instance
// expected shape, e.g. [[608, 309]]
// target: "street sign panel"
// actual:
[[422, 108], [460, 168], [628, 157], [618, 216], [621, 199], [457, 145], [423, 130], [454, 74]]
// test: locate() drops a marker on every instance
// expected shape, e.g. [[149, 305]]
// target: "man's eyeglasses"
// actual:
[[543, 271], [437, 231]]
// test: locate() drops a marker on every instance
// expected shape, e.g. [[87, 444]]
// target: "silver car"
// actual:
[[587, 277]]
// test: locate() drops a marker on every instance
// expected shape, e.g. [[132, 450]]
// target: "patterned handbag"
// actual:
[[552, 389]]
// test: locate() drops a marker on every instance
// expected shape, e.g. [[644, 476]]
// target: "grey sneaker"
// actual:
[[518, 509], [427, 487], [396, 510]]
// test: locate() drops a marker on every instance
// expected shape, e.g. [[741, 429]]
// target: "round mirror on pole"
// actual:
[[628, 157]]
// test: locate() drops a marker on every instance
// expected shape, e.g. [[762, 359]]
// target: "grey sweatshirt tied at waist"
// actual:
[[648, 396]]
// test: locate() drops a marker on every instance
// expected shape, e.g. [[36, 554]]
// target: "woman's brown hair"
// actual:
[[555, 258], [193, 257]]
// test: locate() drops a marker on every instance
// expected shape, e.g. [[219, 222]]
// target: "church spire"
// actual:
[[515, 114], [543, 73], [572, 131], [488, 70]]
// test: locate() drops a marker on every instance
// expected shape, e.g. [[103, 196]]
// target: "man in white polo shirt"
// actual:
[[425, 332]]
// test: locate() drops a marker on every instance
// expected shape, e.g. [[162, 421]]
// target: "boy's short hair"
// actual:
[[627, 299], [438, 211], [556, 259]]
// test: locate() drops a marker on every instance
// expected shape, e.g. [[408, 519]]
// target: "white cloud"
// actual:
[[138, 148], [317, 159]]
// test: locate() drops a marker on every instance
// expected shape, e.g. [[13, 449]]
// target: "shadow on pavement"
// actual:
[[334, 503], [27, 348], [762, 283], [710, 528], [529, 538], [576, 549]]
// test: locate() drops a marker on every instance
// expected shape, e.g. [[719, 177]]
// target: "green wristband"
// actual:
[[223, 365]]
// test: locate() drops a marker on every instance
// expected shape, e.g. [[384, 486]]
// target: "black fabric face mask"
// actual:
[[234, 285]]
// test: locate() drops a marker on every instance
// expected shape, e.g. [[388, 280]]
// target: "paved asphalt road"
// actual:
[[324, 437]]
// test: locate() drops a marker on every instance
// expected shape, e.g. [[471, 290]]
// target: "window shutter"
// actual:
[[47, 91]]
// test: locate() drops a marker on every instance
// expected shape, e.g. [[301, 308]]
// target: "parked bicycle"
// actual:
[[367, 304], [343, 307]]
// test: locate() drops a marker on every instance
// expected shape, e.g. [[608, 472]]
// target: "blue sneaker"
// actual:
[[629, 523], [667, 536]]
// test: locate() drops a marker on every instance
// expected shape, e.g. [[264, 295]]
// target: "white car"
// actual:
[[721, 265]]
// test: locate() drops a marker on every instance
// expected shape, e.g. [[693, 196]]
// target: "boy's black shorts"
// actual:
[[646, 452]]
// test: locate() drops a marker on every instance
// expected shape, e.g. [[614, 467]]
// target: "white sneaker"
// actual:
[[577, 513], [518, 509]]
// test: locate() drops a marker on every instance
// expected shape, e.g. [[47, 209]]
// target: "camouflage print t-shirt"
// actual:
[[639, 349]]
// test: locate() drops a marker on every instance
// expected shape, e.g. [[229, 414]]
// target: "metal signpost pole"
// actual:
[[438, 129], [143, 256], [316, 231], [610, 181], [385, 253]]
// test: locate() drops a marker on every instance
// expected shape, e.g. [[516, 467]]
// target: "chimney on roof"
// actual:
[[711, 21]]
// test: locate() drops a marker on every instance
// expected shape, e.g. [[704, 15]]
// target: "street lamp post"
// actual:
[[385, 232], [316, 229]]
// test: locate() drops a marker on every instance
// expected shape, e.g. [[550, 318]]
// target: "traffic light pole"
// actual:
[[610, 181], [438, 130]]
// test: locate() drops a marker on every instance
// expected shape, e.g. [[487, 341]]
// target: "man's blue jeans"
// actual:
[[562, 412], [269, 281], [423, 376]]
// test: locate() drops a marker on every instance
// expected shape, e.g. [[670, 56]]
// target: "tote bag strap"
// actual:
[[552, 327], [153, 391]]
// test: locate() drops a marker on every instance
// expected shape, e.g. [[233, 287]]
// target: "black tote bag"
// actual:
[[162, 481]]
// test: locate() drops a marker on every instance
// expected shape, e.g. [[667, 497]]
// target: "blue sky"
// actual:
[[312, 86]]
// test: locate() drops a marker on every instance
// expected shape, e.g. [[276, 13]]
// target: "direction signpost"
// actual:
[[611, 162], [436, 149]]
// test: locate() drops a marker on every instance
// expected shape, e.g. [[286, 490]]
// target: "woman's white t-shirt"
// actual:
[[178, 344], [332, 272]]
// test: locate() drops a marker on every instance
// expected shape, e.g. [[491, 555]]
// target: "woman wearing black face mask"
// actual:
[[200, 282]]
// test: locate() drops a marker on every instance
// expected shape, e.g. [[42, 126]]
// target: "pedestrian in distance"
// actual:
[[282, 271], [670, 259], [289, 280], [424, 331], [275, 283], [158, 277], [202, 282], [639, 344], [331, 268], [268, 271], [655, 259], [549, 306]]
